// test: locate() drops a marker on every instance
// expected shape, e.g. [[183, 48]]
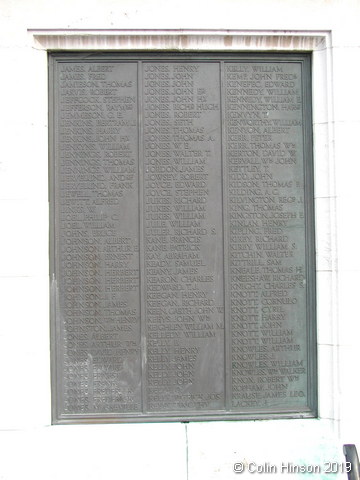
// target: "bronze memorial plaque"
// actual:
[[182, 237]]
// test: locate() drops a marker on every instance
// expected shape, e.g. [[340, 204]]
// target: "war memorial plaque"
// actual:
[[182, 237]]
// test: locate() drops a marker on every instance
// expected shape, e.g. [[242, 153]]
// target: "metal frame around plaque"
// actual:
[[182, 237]]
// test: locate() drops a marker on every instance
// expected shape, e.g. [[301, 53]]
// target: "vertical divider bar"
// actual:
[[227, 326], [142, 290], [56, 404], [310, 262]]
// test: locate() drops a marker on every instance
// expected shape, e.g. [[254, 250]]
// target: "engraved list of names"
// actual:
[[182, 238]]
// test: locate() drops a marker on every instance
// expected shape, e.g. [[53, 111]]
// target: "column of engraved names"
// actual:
[[183, 254], [98, 256], [266, 234]]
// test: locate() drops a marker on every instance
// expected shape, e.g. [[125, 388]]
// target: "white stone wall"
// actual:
[[30, 448]]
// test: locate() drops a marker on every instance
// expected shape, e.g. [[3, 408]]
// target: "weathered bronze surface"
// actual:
[[183, 284]]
